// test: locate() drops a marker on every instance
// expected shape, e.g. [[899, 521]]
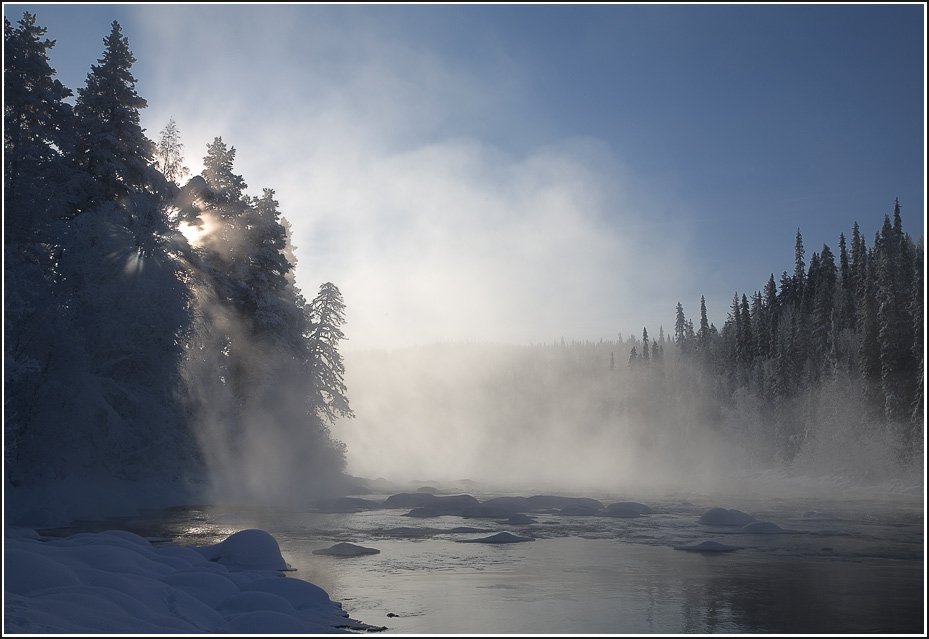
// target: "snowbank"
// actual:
[[118, 582]]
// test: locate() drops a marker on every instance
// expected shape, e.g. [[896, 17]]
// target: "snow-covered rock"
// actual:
[[247, 549], [725, 517], [344, 549], [499, 538], [116, 582]]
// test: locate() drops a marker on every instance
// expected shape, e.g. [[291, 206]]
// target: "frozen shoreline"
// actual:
[[119, 582]]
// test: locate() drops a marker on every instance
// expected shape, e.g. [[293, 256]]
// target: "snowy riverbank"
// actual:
[[119, 582]]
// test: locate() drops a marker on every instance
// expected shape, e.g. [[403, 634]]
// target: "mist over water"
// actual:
[[558, 417]]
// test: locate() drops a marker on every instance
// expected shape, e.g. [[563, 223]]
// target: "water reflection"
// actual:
[[857, 572]]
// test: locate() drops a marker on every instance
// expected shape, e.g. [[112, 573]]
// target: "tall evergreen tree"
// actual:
[[894, 334], [326, 315], [112, 146], [680, 324], [37, 133], [799, 278], [772, 310], [822, 325], [846, 312], [703, 335], [746, 344], [760, 327], [227, 186], [869, 355]]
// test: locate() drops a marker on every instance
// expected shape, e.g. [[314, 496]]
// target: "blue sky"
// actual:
[[523, 173]]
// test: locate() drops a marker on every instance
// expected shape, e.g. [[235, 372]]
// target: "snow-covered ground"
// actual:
[[119, 582]]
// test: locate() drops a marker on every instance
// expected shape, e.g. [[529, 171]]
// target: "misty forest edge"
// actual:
[[134, 352]]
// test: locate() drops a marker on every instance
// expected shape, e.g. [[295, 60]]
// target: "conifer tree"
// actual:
[[894, 333], [824, 293], [846, 314], [112, 147], [680, 324], [228, 187], [799, 279], [326, 316], [772, 309], [37, 134], [746, 338], [916, 313], [869, 356], [703, 335]]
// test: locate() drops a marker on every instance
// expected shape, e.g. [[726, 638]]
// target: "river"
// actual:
[[852, 566]]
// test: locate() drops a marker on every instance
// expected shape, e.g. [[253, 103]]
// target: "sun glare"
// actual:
[[197, 234]]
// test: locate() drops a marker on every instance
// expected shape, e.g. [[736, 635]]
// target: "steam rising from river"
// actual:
[[559, 416]]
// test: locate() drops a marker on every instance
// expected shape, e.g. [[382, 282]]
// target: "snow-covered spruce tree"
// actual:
[[895, 339], [228, 187], [846, 283], [823, 285], [799, 278], [105, 313], [249, 369], [37, 179], [213, 374], [326, 315], [37, 134], [112, 147]]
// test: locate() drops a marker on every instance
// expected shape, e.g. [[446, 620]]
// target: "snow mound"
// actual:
[[499, 538], [762, 528], [725, 517], [248, 550], [707, 546], [119, 583], [344, 549]]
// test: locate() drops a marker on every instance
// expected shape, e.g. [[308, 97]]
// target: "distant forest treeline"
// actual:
[[857, 324], [820, 377], [133, 351]]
